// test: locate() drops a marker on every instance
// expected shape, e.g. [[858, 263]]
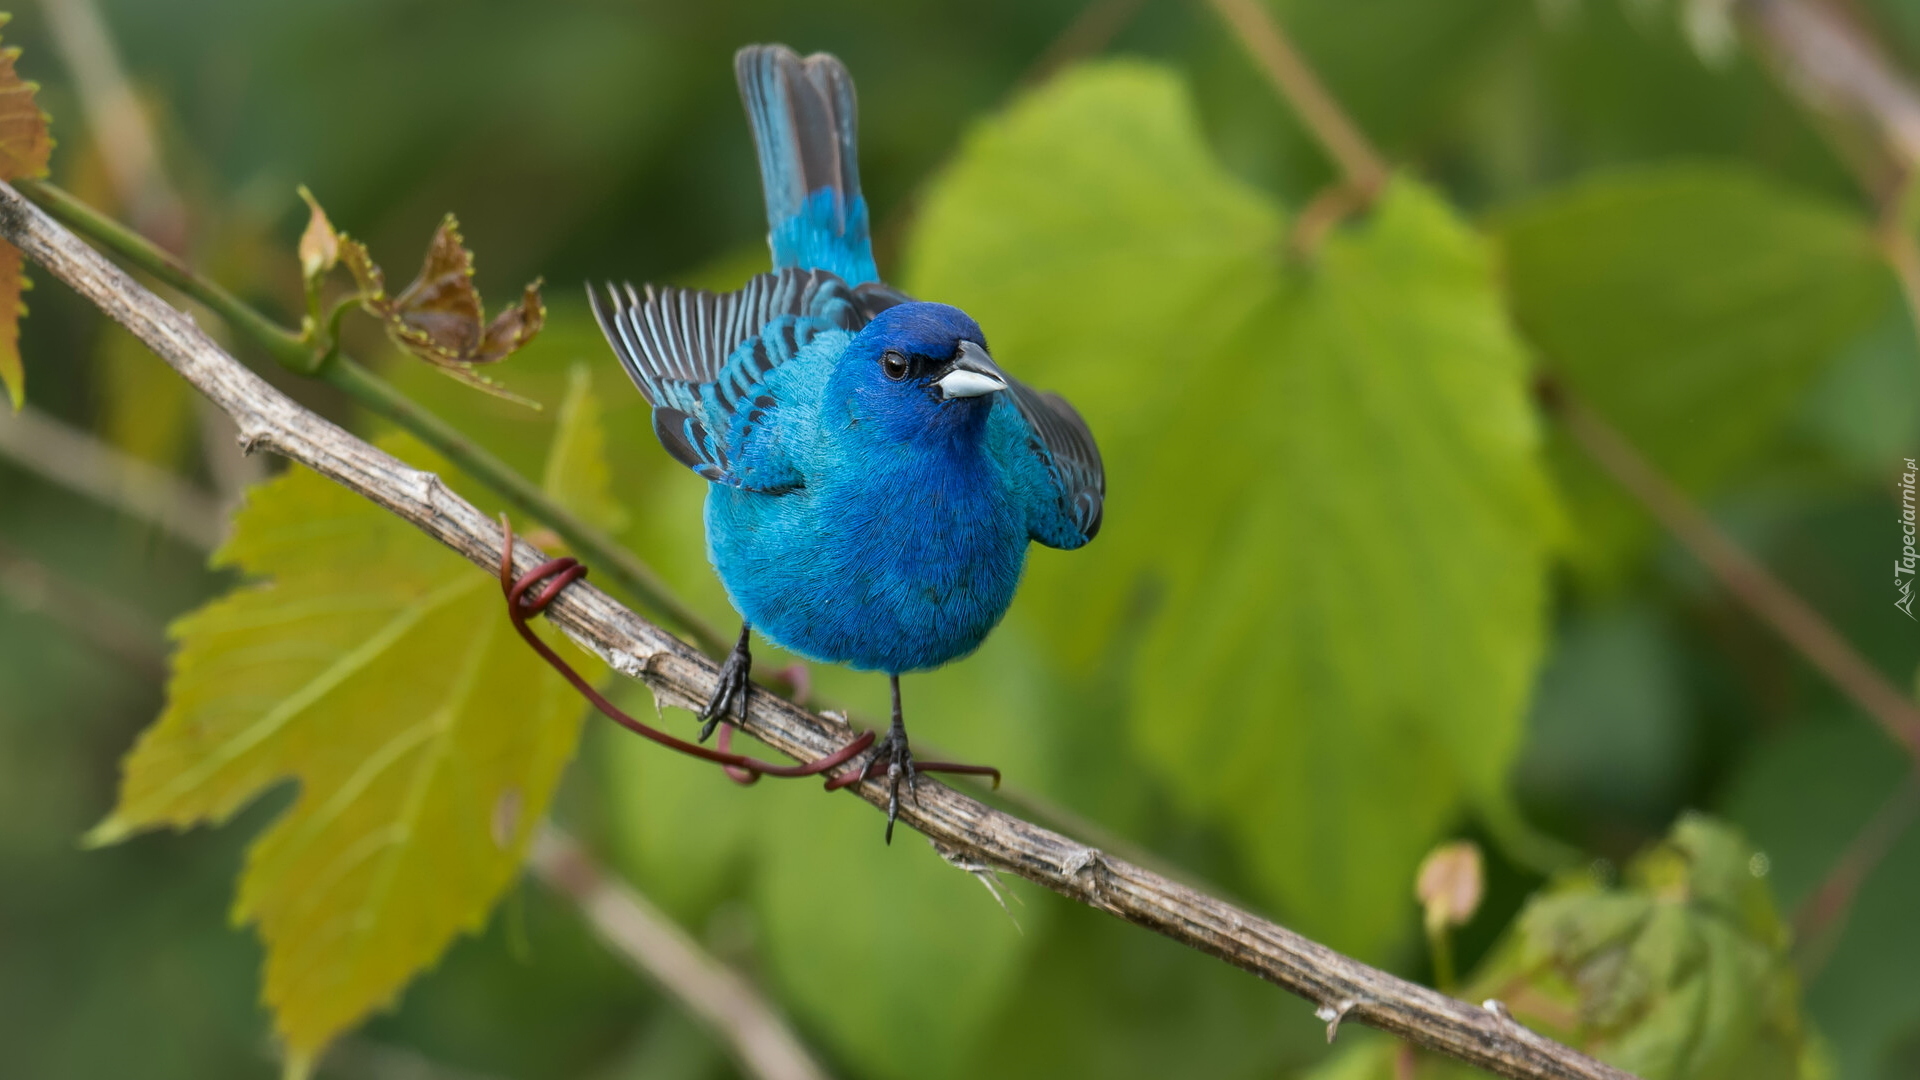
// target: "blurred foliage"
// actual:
[[1741, 292], [1347, 602], [1328, 465], [1679, 973]]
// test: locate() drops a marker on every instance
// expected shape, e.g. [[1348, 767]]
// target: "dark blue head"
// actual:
[[919, 369]]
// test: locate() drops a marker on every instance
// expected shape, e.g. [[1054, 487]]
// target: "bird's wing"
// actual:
[[701, 359], [1055, 463]]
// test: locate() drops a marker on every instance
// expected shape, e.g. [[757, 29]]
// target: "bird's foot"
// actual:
[[893, 761], [731, 690]]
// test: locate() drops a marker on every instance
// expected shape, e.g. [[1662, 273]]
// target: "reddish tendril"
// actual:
[[741, 768]]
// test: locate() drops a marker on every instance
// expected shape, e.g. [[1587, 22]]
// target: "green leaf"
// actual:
[[378, 670], [1690, 306], [1682, 973], [1324, 487]]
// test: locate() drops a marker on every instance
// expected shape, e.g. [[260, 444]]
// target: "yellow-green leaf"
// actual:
[[577, 472], [379, 671]]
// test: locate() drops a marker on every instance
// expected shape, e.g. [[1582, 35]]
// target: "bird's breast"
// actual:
[[895, 566]]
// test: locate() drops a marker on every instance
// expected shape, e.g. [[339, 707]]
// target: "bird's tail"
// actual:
[[804, 122]]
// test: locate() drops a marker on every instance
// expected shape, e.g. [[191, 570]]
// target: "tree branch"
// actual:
[[679, 675], [1365, 170]]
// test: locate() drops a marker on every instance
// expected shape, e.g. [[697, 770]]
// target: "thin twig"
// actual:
[[1836, 69], [1822, 917], [761, 1042], [1739, 573], [679, 675], [1090, 32], [118, 125], [1362, 165], [77, 460], [102, 621]]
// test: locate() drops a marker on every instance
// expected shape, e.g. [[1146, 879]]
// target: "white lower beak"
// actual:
[[960, 383]]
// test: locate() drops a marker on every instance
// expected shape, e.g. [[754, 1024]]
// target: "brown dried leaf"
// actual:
[[24, 146], [319, 244], [438, 316], [1450, 884], [25, 142]]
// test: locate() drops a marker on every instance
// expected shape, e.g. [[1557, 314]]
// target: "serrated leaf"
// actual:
[[438, 317], [1324, 482], [1691, 306], [25, 145], [378, 670], [1681, 973]]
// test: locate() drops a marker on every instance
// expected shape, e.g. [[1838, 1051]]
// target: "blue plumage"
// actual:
[[875, 476]]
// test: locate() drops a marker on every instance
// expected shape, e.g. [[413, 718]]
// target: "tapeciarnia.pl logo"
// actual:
[[1903, 567]]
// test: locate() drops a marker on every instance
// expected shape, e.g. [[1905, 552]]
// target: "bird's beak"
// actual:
[[972, 374]]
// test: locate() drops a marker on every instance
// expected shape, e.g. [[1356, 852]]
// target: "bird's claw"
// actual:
[[730, 692], [893, 754]]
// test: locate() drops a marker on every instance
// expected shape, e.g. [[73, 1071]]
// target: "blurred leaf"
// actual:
[[576, 472], [438, 317], [1681, 974], [377, 668], [1611, 734], [1690, 306], [1327, 477], [1095, 997], [24, 146], [146, 408], [900, 958]]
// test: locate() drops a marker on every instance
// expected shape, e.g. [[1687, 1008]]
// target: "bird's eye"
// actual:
[[894, 365]]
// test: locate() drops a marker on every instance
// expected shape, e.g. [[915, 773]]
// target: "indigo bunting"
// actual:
[[874, 475]]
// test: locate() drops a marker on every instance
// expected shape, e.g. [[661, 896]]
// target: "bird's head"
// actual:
[[919, 368]]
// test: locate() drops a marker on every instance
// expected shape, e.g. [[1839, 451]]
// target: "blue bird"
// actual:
[[874, 476]]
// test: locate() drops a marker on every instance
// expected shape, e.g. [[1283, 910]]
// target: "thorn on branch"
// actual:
[[1333, 1014]]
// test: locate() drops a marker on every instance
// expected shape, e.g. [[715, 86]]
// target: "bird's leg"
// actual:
[[733, 687], [892, 751], [892, 760]]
